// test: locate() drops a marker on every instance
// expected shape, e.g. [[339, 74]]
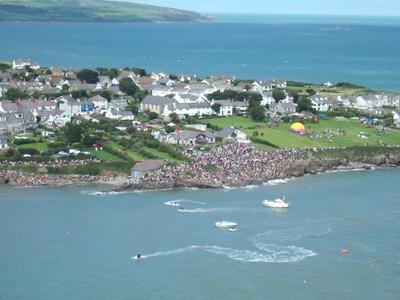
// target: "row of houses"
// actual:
[[22, 114], [190, 137]]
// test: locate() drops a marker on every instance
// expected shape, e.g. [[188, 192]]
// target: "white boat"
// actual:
[[226, 224], [277, 203], [172, 203], [136, 257]]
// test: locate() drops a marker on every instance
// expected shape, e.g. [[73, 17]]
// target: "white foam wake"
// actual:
[[170, 252], [274, 254], [277, 181], [279, 255], [190, 201]]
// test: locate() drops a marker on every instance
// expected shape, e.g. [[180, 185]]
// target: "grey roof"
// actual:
[[9, 106], [225, 132], [156, 100], [226, 102], [97, 98], [126, 113]]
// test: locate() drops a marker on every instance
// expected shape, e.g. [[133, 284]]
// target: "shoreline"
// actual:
[[282, 165]]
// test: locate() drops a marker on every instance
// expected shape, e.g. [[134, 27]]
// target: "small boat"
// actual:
[[226, 225], [277, 203], [172, 203], [181, 209], [137, 257], [232, 229]]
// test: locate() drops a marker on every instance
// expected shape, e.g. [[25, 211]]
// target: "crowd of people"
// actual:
[[22, 178], [232, 164]]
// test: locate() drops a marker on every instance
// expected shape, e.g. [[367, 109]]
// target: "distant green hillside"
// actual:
[[90, 11]]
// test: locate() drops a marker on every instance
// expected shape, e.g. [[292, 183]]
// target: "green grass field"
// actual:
[[41, 147], [282, 138], [132, 154], [104, 155], [160, 154], [236, 121]]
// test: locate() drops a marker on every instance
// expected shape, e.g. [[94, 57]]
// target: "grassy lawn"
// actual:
[[132, 154], [160, 154], [281, 136], [236, 121], [104, 155], [41, 147]]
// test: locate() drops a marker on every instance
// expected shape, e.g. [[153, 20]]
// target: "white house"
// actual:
[[100, 102], [321, 103], [123, 115], [267, 98], [226, 108], [160, 90], [396, 117], [232, 134], [20, 64], [370, 101], [268, 85]]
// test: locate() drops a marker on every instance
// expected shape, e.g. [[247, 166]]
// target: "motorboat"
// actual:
[[226, 224], [137, 257], [172, 203], [232, 229], [277, 203], [181, 209]]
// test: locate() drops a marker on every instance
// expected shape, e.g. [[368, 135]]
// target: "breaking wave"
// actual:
[[277, 181]]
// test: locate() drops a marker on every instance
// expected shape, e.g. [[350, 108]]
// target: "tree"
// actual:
[[88, 76], [65, 87], [216, 107], [169, 129], [127, 86], [14, 94], [72, 133], [152, 115], [79, 94], [311, 92], [174, 117], [132, 106], [304, 104], [295, 96], [106, 94], [257, 113], [278, 95]]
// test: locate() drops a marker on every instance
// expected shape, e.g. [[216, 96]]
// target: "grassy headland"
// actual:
[[90, 11]]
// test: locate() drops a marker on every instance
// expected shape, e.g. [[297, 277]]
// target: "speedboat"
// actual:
[[277, 203], [137, 257], [226, 224], [172, 203]]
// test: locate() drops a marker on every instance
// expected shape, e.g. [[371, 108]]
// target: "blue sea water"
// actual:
[[363, 50], [67, 243]]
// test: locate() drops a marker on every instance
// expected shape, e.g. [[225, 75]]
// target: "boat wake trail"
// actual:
[[268, 250], [190, 201], [219, 210], [272, 254], [169, 252]]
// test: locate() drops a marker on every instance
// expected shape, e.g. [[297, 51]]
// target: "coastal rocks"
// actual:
[[4, 180], [393, 159], [314, 166]]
